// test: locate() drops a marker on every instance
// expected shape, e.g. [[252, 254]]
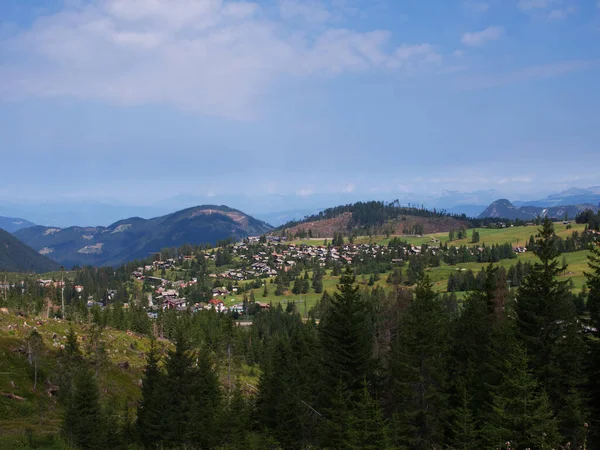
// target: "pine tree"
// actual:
[[151, 407], [346, 335], [547, 324], [335, 431], [35, 346], [463, 427], [418, 371], [593, 342], [521, 411], [237, 418], [206, 409], [278, 404], [70, 360], [82, 420], [593, 283], [179, 387], [368, 428]]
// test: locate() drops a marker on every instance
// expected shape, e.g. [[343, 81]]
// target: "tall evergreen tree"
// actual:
[[180, 385], [151, 407], [418, 371], [521, 411], [82, 420], [547, 324], [593, 342], [346, 336], [368, 428]]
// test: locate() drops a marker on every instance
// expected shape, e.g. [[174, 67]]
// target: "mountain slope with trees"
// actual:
[[374, 218], [136, 238], [15, 256]]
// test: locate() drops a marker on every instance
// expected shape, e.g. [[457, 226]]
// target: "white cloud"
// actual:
[[215, 56], [479, 38], [561, 13], [548, 9], [309, 10]]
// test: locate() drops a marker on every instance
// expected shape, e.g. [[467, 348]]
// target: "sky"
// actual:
[[144, 102]]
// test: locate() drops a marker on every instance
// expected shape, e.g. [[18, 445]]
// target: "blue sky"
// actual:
[[138, 101]]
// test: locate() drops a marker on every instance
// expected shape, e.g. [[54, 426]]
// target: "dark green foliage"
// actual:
[[151, 407], [193, 397], [547, 324], [367, 426], [593, 341], [418, 371], [521, 411], [82, 421], [15, 256], [346, 332]]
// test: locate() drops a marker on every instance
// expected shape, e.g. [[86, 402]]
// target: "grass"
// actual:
[[577, 264], [39, 410], [488, 236]]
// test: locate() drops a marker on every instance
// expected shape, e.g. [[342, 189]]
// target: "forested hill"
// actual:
[[376, 217], [15, 256], [136, 238]]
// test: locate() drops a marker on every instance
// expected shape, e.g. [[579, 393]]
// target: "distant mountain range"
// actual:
[[136, 238], [504, 209], [15, 256], [573, 196], [12, 224]]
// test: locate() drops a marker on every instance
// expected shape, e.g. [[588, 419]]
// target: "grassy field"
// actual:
[[488, 236], [577, 262]]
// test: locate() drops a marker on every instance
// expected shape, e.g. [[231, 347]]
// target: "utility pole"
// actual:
[[229, 371], [5, 289]]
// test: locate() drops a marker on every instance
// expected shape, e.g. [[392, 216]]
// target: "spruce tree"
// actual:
[[180, 384], [593, 283], [521, 411], [368, 428], [418, 371], [82, 420], [206, 409], [593, 342], [346, 336], [463, 427], [548, 326], [151, 406]]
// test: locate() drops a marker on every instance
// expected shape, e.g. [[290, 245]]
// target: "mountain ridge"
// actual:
[[135, 237], [504, 209], [12, 224], [16, 256]]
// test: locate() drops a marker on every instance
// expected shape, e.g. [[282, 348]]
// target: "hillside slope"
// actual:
[[12, 224], [15, 256], [375, 217], [135, 237], [504, 209], [40, 412]]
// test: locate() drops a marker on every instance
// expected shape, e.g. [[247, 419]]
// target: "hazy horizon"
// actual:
[[148, 104]]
